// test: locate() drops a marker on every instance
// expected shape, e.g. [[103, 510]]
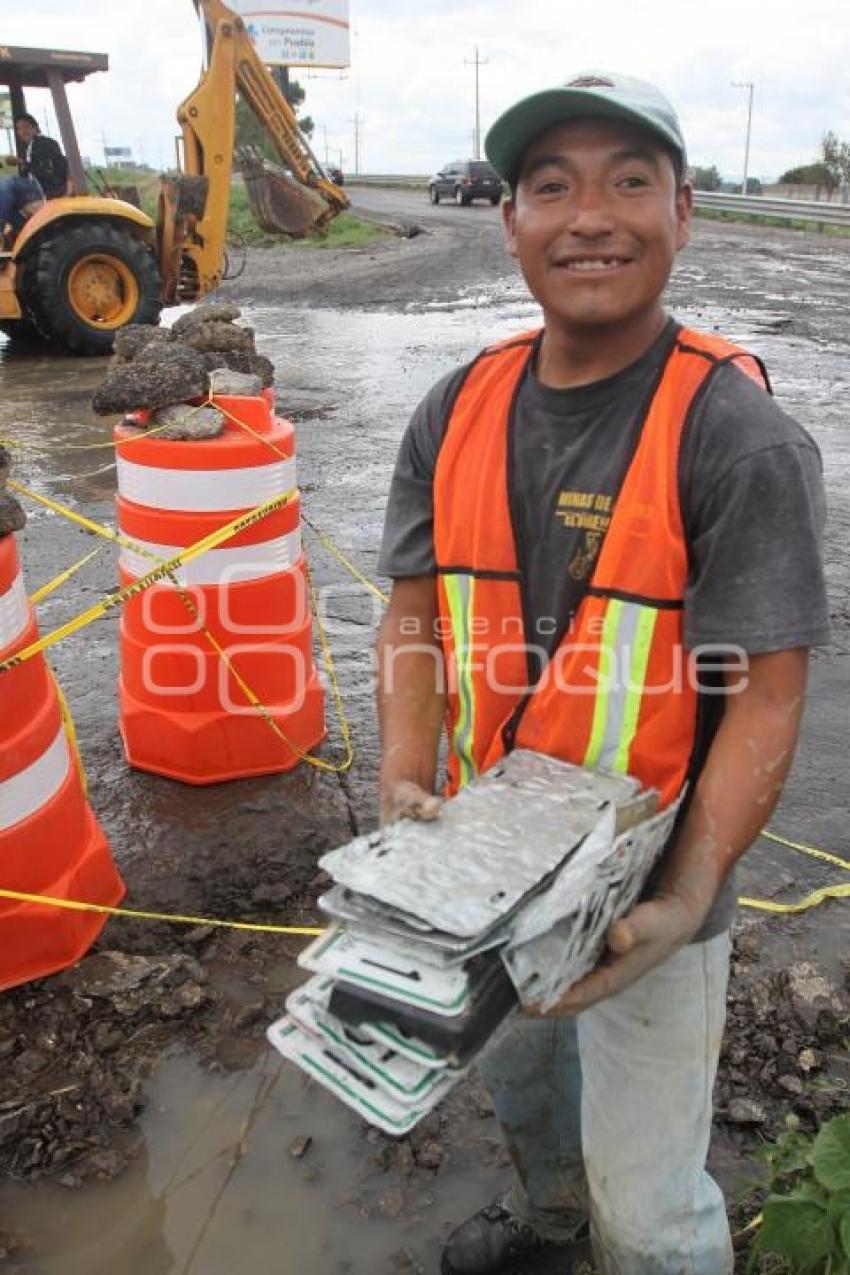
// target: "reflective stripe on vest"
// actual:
[[626, 640], [616, 692], [460, 591]]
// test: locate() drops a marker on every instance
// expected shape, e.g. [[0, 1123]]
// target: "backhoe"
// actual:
[[85, 265]]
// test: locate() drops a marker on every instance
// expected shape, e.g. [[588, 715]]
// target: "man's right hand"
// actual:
[[406, 800]]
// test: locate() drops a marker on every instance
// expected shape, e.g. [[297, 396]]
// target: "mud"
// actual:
[[142, 1076]]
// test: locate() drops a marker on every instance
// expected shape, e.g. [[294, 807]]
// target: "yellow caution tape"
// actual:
[[74, 905], [57, 581], [802, 905], [813, 851], [118, 596], [321, 535], [71, 732], [346, 562], [107, 533], [345, 730], [812, 900]]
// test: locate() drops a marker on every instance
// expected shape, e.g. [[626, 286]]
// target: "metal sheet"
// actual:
[[560, 936], [491, 845]]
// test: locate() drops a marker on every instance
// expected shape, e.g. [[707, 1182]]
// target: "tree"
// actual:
[[835, 154], [809, 175], [707, 178], [250, 132]]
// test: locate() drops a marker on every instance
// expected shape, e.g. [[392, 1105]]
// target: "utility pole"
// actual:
[[358, 122], [749, 85], [476, 62], [280, 74], [325, 132]]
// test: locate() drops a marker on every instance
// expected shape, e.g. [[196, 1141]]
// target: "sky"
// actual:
[[412, 88]]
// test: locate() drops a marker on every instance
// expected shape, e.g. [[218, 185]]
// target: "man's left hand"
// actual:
[[636, 943]]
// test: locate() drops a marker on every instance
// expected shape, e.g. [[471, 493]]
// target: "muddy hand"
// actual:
[[406, 800], [636, 943]]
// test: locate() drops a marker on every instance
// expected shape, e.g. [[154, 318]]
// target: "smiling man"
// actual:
[[605, 544]]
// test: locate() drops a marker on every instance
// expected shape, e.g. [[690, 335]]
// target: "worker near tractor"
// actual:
[[604, 539], [42, 174]]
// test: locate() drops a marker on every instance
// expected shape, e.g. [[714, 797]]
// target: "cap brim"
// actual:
[[513, 132]]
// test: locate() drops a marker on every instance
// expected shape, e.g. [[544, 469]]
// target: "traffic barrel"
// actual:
[[50, 843], [184, 711]]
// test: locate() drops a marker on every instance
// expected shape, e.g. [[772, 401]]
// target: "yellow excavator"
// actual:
[[83, 266]]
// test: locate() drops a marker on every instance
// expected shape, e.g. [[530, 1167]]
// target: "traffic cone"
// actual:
[[50, 842], [183, 711]]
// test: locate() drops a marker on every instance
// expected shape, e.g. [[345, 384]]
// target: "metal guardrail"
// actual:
[[814, 211]]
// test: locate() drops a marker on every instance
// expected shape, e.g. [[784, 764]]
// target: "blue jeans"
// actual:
[[608, 1115], [15, 192]]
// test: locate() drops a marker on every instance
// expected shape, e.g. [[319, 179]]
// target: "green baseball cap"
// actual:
[[592, 94]]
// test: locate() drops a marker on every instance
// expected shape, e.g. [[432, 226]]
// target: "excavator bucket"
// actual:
[[280, 204]]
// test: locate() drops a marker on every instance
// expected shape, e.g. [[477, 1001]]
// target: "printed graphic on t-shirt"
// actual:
[[589, 514]]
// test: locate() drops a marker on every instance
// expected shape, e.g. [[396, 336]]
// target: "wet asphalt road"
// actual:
[[356, 342]]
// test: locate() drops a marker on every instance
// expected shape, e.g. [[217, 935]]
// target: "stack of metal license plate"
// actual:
[[439, 931]]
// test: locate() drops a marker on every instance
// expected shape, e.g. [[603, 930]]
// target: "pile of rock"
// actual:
[[74, 1050], [785, 1031], [161, 368], [12, 516]]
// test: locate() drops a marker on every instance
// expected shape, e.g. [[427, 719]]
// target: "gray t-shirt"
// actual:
[[751, 493]]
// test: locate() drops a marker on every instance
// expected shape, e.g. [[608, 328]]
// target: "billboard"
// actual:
[[301, 33]]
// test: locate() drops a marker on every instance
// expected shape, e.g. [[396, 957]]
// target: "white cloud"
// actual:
[[411, 88]]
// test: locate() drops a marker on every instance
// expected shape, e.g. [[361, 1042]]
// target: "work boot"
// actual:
[[494, 1242]]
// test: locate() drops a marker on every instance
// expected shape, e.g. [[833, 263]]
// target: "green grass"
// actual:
[[762, 219], [345, 231]]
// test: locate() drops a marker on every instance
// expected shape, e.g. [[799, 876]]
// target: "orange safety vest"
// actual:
[[618, 691]]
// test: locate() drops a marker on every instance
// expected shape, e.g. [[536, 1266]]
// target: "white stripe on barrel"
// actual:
[[204, 490], [219, 566], [14, 612], [32, 787]]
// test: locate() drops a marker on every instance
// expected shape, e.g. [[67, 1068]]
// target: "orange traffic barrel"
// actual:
[[184, 710], [50, 842]]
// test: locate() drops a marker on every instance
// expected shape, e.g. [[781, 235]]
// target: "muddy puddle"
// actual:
[[220, 1183], [213, 1182]]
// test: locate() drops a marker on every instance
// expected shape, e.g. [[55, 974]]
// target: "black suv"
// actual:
[[464, 180]]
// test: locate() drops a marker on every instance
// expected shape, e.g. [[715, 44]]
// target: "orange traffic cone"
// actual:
[[50, 843], [183, 711]]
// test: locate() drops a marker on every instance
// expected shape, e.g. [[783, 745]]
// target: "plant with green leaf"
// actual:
[[808, 1225]]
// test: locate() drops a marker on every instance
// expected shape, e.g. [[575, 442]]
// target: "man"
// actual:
[[43, 158], [624, 495], [43, 174]]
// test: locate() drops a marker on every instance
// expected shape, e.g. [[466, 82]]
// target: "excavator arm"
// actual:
[[193, 205]]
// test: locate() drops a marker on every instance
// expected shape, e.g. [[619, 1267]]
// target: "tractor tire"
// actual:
[[21, 332], [86, 281]]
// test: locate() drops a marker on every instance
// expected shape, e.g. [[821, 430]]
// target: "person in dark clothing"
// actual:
[[43, 158], [42, 174]]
